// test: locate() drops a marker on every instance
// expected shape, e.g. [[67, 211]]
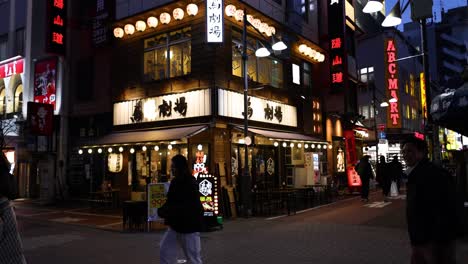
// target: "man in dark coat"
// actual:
[[183, 214], [430, 206], [364, 169], [383, 177], [396, 171]]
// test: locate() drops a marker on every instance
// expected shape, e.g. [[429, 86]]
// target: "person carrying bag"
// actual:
[[394, 189]]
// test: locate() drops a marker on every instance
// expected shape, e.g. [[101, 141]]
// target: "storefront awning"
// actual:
[[147, 136], [285, 135]]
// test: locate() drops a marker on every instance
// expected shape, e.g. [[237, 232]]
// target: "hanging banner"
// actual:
[[208, 189], [214, 21], [45, 81], [351, 158]]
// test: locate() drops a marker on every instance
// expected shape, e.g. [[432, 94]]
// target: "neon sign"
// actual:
[[208, 190], [391, 77], [56, 22], [336, 33], [423, 94]]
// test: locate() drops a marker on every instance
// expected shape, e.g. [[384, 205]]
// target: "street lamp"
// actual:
[[261, 52]]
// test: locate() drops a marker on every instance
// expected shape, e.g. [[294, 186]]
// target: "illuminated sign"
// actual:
[[337, 55], [419, 135], [45, 79], [40, 119], [115, 162], [423, 94], [214, 21], [56, 26], [208, 190], [391, 82], [11, 68]]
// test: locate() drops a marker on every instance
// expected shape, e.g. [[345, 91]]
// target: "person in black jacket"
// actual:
[[430, 206], [364, 169], [183, 214], [383, 177], [395, 169]]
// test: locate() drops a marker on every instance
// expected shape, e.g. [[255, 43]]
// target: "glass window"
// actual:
[[18, 103], [307, 75], [366, 74], [304, 10], [365, 112], [2, 101], [266, 70], [175, 45], [20, 36]]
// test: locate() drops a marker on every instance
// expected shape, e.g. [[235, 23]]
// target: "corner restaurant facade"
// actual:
[[173, 92]]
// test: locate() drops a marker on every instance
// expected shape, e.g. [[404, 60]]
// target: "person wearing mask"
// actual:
[[364, 169], [11, 247], [430, 206], [183, 214]]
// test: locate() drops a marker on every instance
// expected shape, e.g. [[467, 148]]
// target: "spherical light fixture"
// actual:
[[239, 15], [319, 146], [178, 13], [109, 150], [299, 145], [169, 147], [144, 148], [120, 149], [80, 151], [192, 9], [291, 145], [275, 144], [118, 32], [306, 146], [152, 22], [263, 27], [156, 148], [99, 150], [302, 48], [312, 146], [140, 25], [129, 29], [256, 23], [90, 151], [132, 150], [165, 18], [230, 10], [284, 144], [199, 147], [330, 146]]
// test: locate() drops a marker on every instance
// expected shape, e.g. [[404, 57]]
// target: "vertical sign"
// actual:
[[157, 197], [45, 77], [351, 158], [423, 94], [208, 189], [56, 26], [40, 119], [214, 21], [103, 15], [391, 82], [336, 35]]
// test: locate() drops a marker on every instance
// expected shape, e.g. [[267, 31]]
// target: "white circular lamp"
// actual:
[[230, 10], [152, 22], [165, 18], [192, 9], [178, 13], [118, 32], [129, 29], [140, 25]]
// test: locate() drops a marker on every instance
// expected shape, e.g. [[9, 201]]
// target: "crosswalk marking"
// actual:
[[377, 204], [398, 197]]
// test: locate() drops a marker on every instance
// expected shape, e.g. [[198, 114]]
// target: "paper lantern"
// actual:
[[118, 32], [165, 18], [192, 9], [256, 23], [115, 162], [250, 18], [120, 149], [263, 27], [302, 48], [178, 13], [273, 30], [140, 25], [230, 10], [152, 22], [268, 31], [239, 15], [90, 151], [129, 29]]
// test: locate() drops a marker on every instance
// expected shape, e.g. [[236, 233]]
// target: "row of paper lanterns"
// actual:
[[306, 146], [311, 53], [132, 150], [238, 14], [152, 22]]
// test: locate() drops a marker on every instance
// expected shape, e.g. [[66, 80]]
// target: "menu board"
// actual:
[[208, 189], [156, 198]]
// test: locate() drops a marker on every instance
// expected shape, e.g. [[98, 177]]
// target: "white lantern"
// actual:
[[275, 144], [80, 151], [178, 13], [109, 150], [239, 15], [99, 150], [90, 151], [120, 149], [263, 27], [256, 23], [156, 148], [132, 150], [319, 146], [306, 146], [302, 48], [118, 32], [250, 18], [165, 18], [299, 145], [140, 25], [152, 22], [284, 144], [129, 29], [200, 147], [230, 10], [291, 145], [169, 147], [273, 30], [308, 51], [144, 148], [268, 31], [192, 9]]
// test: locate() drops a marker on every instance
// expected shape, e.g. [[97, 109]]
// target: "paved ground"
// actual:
[[346, 232]]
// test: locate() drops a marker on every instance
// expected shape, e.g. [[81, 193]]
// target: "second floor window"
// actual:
[[366, 74], [168, 55], [266, 70]]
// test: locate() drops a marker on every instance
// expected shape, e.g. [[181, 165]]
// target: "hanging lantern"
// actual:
[[90, 151], [129, 29], [169, 147], [178, 13], [165, 18], [80, 151], [109, 150], [230, 10], [291, 145], [118, 32], [284, 144], [132, 150], [144, 148], [308, 51], [273, 30], [200, 147], [156, 148], [121, 149], [192, 9], [250, 18], [275, 144], [306, 146], [263, 27], [239, 15], [302, 48], [268, 31], [140, 25], [152, 22], [99, 150], [299, 145], [256, 23]]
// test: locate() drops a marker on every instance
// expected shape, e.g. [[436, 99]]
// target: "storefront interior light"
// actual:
[[152, 22], [156, 148], [230, 10], [299, 145], [144, 148], [275, 144], [132, 150], [200, 147], [169, 147], [99, 150], [90, 151], [80, 151], [165, 18], [121, 149], [129, 29], [109, 150], [178, 13], [118, 32], [306, 146], [140, 25], [192, 9]]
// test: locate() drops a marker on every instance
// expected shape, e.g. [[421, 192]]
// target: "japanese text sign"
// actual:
[[56, 26], [208, 190], [11, 68], [214, 21], [336, 35]]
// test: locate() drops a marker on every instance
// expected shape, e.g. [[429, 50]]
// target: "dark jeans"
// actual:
[[365, 189]]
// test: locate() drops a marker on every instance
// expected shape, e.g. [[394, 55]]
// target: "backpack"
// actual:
[[8, 185]]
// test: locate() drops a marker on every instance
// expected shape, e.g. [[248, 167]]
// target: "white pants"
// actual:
[[190, 244]]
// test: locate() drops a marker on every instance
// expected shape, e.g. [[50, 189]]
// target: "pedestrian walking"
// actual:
[[182, 212], [383, 177], [364, 169], [430, 206], [11, 247], [396, 171]]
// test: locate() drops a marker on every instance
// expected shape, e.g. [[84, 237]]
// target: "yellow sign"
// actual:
[[156, 199], [423, 94]]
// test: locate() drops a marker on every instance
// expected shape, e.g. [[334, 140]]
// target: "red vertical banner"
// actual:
[[392, 84], [351, 159], [40, 119], [45, 77]]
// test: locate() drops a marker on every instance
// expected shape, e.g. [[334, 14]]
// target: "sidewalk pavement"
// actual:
[[75, 213]]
